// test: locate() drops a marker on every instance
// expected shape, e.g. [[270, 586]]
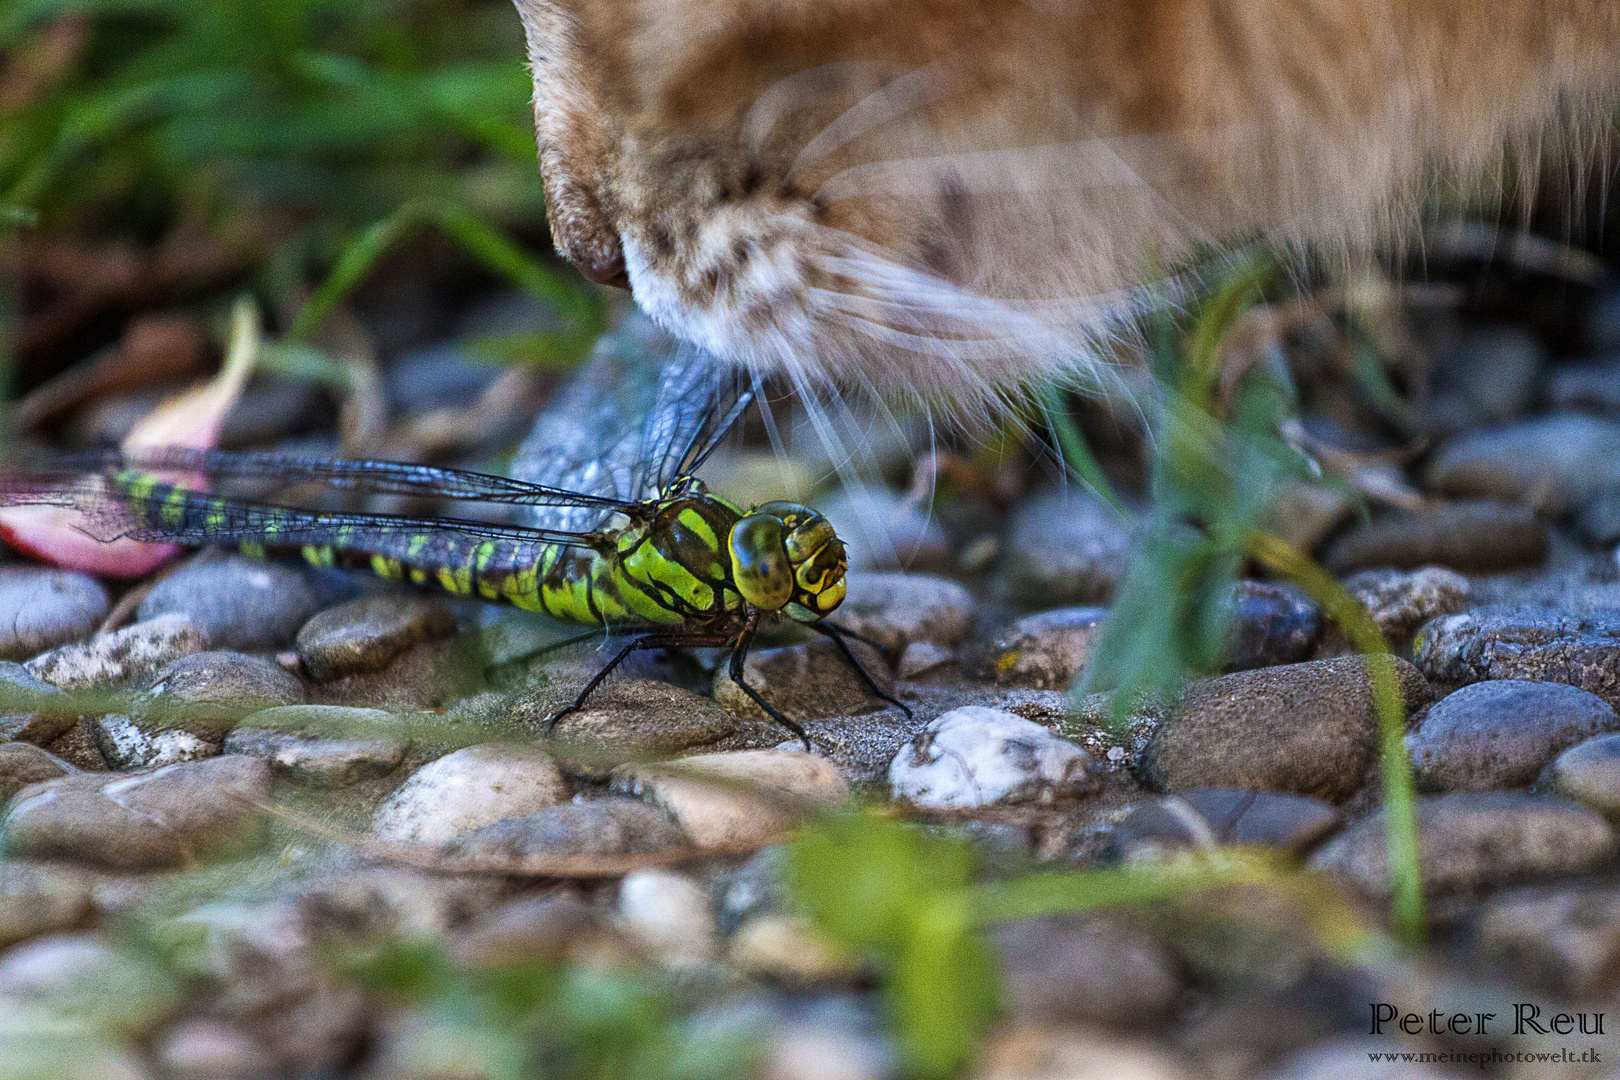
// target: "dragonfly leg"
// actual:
[[832, 629], [838, 634], [645, 641], [739, 656]]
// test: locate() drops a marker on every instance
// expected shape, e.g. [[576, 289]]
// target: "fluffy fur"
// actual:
[[949, 197]]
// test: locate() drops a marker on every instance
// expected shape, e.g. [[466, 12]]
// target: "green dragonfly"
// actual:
[[619, 533]]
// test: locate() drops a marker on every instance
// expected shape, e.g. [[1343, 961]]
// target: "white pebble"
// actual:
[[669, 913], [976, 756]]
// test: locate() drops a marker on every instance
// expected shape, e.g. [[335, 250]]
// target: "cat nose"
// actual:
[[606, 270]]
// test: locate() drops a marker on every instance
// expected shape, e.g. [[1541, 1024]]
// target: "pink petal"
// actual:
[[58, 535], [54, 534]]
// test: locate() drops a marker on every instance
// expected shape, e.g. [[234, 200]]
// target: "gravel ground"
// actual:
[[258, 758]]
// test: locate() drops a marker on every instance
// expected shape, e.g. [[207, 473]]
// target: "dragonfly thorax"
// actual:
[[786, 557]]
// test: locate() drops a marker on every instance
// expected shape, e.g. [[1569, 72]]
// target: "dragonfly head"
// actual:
[[786, 557]]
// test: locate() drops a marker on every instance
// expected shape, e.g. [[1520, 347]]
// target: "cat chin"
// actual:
[[889, 330]]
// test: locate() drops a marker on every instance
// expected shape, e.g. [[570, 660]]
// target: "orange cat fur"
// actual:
[[951, 196]]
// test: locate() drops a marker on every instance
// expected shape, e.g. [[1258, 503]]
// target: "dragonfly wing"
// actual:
[[699, 399], [637, 415]]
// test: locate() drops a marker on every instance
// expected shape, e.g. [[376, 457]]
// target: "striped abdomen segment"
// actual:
[[464, 558]]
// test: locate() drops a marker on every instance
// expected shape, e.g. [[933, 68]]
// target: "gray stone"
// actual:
[[896, 609], [1560, 460], [757, 887], [923, 658], [1503, 642], [266, 977], [428, 675], [1084, 969], [203, 1049], [1271, 624], [237, 602], [124, 657], [1064, 549], [190, 706], [1198, 818], [270, 410], [23, 763], [438, 376], [1400, 601], [41, 609], [466, 790], [1489, 374], [38, 898], [1586, 387], [1310, 729], [1598, 519], [386, 901], [326, 746], [125, 743], [593, 827], [90, 980], [31, 709], [1562, 939], [974, 757], [1045, 650], [806, 682], [208, 693], [1588, 773], [788, 951], [554, 927], [139, 821], [1603, 320], [1477, 537], [1304, 513], [1502, 733], [1472, 840], [625, 720], [368, 633]]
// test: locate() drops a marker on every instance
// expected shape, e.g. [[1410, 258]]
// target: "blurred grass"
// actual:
[[156, 109], [310, 137], [1219, 460]]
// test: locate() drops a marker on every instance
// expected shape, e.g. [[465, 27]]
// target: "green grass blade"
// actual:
[[1400, 793], [352, 266], [475, 236], [578, 304], [1078, 460]]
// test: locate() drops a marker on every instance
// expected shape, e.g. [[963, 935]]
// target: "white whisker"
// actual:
[[884, 105], [791, 91]]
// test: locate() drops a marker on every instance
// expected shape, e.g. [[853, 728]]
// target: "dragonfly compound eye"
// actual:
[[759, 561], [819, 577]]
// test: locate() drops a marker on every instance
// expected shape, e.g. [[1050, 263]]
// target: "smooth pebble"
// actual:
[[1045, 650], [1502, 733], [1308, 729], [1468, 840], [368, 633], [130, 656], [41, 609], [237, 602], [466, 790], [975, 757], [738, 798], [138, 821]]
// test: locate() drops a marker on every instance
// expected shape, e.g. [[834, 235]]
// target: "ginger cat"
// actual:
[[949, 197]]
